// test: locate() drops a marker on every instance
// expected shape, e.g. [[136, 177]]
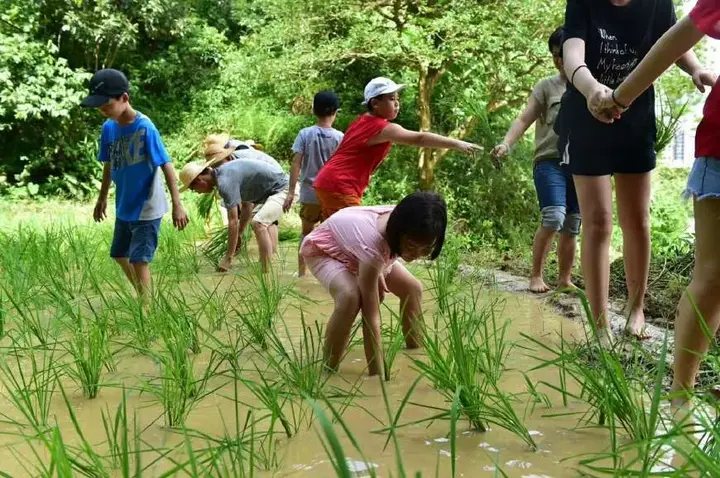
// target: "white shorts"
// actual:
[[272, 209]]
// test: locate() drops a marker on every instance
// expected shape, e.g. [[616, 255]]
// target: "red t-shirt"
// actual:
[[348, 171], [706, 17]]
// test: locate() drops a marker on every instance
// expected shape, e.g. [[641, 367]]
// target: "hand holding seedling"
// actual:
[[498, 153], [99, 213]]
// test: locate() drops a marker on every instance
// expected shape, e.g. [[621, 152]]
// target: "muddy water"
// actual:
[[424, 447]]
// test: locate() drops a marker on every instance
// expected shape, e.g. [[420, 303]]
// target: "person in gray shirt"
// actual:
[[312, 148], [246, 183]]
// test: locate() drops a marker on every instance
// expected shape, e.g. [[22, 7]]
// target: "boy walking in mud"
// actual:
[[133, 155]]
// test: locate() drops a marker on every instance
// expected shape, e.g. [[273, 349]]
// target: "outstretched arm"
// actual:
[[521, 124], [672, 47], [395, 133]]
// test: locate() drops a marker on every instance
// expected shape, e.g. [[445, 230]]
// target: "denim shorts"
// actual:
[[554, 186], [704, 179], [136, 240]]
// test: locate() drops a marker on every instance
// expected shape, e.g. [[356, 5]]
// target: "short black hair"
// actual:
[[422, 217], [556, 40], [325, 103]]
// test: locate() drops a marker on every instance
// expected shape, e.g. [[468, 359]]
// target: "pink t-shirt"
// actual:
[[706, 17], [350, 236]]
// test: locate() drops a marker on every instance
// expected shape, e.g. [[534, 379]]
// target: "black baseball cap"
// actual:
[[104, 85], [325, 103]]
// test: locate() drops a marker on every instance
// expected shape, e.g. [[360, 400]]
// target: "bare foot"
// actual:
[[538, 285], [606, 338], [566, 286], [636, 325]]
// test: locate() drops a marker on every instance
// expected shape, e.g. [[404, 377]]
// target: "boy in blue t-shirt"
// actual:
[[313, 147], [132, 154]]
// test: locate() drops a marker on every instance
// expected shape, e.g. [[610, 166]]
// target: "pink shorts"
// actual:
[[325, 269]]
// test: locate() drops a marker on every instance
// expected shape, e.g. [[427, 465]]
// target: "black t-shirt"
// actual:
[[616, 39]]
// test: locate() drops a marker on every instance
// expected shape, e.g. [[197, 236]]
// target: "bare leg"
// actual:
[[691, 342], [541, 247], [345, 293], [144, 280], [633, 201], [404, 285], [265, 244], [274, 232], [307, 228], [567, 244], [595, 199], [124, 263]]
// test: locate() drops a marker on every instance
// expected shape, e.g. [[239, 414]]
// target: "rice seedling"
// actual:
[[89, 347], [443, 275], [261, 308], [30, 381], [217, 245], [30, 321], [469, 359], [179, 391], [301, 368], [393, 341], [215, 302], [272, 396], [616, 398]]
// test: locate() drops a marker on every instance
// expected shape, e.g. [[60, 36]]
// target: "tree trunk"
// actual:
[[427, 157]]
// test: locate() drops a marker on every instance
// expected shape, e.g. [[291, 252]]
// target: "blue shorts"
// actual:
[[554, 186], [704, 179], [135, 240]]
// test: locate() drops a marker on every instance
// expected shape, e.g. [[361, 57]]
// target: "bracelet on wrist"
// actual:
[[617, 103], [572, 77]]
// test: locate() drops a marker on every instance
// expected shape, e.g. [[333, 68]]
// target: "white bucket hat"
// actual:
[[380, 86]]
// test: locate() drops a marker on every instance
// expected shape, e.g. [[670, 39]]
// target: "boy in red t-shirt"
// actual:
[[691, 341], [343, 179]]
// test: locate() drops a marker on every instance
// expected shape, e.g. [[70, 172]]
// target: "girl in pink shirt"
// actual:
[[354, 253]]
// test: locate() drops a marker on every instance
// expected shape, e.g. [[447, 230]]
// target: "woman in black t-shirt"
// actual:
[[605, 40]]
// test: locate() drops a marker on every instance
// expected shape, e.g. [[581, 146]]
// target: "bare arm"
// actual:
[[368, 277], [573, 57], [233, 237], [99, 213], [294, 175], [521, 124], [180, 218], [395, 133], [673, 46]]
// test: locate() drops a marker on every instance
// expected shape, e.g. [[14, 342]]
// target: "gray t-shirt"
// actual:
[[255, 155], [548, 92], [249, 180], [315, 145]]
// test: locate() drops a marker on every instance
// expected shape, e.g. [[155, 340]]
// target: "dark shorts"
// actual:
[[135, 240], [583, 162], [554, 186], [310, 212]]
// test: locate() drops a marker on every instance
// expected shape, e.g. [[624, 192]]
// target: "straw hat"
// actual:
[[221, 139], [216, 152], [190, 172]]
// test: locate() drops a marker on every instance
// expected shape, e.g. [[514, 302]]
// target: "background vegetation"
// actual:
[[251, 67]]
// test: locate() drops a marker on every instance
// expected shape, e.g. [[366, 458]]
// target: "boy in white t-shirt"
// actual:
[[313, 147]]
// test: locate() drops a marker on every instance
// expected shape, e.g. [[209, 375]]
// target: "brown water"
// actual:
[[424, 447]]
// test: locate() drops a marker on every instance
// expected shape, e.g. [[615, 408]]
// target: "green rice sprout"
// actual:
[[393, 341], [443, 274], [89, 347], [30, 381], [179, 391]]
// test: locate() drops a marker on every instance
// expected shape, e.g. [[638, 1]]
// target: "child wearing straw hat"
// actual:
[[242, 182], [221, 148]]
